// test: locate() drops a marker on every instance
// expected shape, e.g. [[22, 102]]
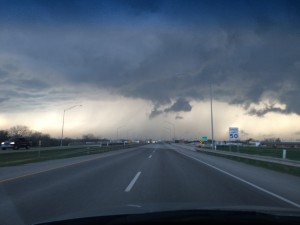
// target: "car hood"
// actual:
[[143, 208]]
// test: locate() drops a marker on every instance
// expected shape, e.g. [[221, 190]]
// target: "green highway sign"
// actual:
[[204, 138]]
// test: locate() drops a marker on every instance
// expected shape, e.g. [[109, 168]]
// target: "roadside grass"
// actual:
[[293, 154], [23, 157], [269, 165]]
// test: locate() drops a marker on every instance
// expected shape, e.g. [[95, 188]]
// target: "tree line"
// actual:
[[36, 137]]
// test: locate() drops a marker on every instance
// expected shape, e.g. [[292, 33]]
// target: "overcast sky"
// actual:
[[145, 65]]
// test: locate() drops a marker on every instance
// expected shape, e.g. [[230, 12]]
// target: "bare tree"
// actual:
[[19, 131], [89, 137], [275, 140], [39, 138], [3, 135]]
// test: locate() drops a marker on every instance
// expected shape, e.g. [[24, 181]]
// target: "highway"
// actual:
[[150, 177]]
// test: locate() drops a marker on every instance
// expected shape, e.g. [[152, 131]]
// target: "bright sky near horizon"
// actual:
[[142, 66]]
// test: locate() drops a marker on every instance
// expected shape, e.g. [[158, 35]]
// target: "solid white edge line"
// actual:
[[133, 182], [46, 170], [244, 181]]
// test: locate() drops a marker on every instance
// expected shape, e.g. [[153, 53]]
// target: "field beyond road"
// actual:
[[19, 157], [291, 153]]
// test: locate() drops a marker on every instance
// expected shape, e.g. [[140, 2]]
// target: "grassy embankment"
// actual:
[[291, 154], [18, 157]]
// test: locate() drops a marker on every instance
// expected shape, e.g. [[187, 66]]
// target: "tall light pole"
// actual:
[[173, 125], [211, 117], [63, 122], [168, 128]]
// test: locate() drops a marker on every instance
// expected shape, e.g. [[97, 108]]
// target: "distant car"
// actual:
[[15, 143]]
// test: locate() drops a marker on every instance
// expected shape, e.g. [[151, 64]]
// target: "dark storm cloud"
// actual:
[[21, 88], [3, 73], [3, 99], [159, 51], [34, 84], [155, 112], [181, 105], [265, 110]]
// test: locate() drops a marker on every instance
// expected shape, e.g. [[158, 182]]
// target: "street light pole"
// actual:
[[173, 125], [168, 128], [211, 118], [63, 122]]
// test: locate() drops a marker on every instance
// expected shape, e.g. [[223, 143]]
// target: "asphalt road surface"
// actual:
[[148, 178]]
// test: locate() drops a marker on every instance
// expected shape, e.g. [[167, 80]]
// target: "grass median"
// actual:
[[292, 154], [269, 165], [23, 156]]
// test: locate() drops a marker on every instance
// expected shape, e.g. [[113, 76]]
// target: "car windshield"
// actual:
[[135, 106]]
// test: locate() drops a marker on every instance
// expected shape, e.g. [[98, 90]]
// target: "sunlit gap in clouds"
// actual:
[[103, 117]]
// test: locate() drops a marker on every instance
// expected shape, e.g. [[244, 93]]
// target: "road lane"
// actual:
[[12, 172], [181, 180], [167, 178], [280, 183], [94, 184], [247, 182]]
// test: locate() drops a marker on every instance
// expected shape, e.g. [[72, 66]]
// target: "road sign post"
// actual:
[[284, 154], [233, 133]]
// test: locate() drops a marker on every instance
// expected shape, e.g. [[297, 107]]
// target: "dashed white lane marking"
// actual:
[[155, 149], [150, 156], [129, 187], [134, 205]]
